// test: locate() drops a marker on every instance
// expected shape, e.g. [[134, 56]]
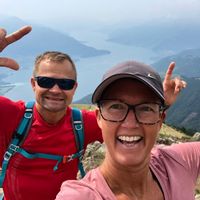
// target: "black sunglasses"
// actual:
[[48, 82]]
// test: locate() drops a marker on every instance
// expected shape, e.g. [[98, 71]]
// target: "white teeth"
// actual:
[[55, 99], [129, 138]]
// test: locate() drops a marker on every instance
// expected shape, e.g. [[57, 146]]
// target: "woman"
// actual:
[[131, 109]]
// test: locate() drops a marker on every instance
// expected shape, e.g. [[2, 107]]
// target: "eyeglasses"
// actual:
[[48, 82], [117, 111]]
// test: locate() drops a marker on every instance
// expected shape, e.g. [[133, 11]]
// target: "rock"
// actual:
[[197, 197], [196, 136]]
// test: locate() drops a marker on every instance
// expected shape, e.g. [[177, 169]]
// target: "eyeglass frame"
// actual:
[[55, 81], [162, 109]]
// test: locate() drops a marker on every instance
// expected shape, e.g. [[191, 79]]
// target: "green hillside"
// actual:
[[187, 63], [185, 113], [166, 130]]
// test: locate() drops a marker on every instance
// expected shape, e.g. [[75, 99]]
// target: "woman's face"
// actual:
[[129, 143]]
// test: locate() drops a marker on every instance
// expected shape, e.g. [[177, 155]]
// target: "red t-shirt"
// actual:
[[31, 179]]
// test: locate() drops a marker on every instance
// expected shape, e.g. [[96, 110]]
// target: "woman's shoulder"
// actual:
[[185, 154], [91, 187]]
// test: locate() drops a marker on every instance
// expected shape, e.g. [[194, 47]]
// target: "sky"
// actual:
[[105, 12], [76, 16]]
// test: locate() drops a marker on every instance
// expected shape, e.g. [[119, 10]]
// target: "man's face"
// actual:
[[54, 100], [128, 142]]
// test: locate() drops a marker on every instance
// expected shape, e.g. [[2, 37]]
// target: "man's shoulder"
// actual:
[[10, 105], [88, 114]]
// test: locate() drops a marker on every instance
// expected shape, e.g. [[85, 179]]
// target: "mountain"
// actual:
[[39, 40], [166, 37], [187, 63], [85, 100], [42, 39], [185, 113], [6, 88]]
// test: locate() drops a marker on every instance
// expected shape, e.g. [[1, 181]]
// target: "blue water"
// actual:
[[90, 70]]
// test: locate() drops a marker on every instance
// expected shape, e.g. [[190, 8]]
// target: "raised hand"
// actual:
[[5, 40], [172, 87]]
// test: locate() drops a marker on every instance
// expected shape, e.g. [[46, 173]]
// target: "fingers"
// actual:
[[169, 72], [6, 40], [18, 34], [179, 85], [2, 34], [184, 84], [2, 38], [10, 63]]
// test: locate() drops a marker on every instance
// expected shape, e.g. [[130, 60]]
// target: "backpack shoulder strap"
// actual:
[[25, 123], [78, 127], [18, 137]]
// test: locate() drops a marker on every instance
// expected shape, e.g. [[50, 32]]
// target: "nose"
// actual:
[[130, 120], [55, 89]]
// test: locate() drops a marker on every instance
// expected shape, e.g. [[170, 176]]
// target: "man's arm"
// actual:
[[5, 40]]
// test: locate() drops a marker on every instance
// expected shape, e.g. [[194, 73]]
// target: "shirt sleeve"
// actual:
[[190, 153], [91, 128], [10, 115]]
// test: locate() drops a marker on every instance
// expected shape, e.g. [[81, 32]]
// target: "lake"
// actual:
[[90, 70]]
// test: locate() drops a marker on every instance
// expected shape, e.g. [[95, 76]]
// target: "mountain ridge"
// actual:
[[187, 63], [165, 38], [43, 38], [185, 113]]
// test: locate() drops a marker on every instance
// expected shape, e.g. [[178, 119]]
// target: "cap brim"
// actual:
[[99, 90]]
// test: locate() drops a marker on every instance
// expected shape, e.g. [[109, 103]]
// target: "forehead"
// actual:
[[130, 90], [51, 68]]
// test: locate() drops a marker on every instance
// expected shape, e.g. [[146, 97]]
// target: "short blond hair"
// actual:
[[53, 56]]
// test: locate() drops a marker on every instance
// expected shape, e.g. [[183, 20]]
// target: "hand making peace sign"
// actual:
[[5, 40]]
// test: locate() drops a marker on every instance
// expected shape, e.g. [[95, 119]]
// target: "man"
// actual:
[[131, 110], [54, 84], [51, 130]]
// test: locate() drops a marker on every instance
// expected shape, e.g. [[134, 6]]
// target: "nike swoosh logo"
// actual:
[[150, 76]]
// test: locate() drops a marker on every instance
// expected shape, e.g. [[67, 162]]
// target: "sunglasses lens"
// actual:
[[66, 84], [47, 82]]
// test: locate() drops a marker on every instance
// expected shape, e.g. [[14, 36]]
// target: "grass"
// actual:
[[171, 132], [84, 106]]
